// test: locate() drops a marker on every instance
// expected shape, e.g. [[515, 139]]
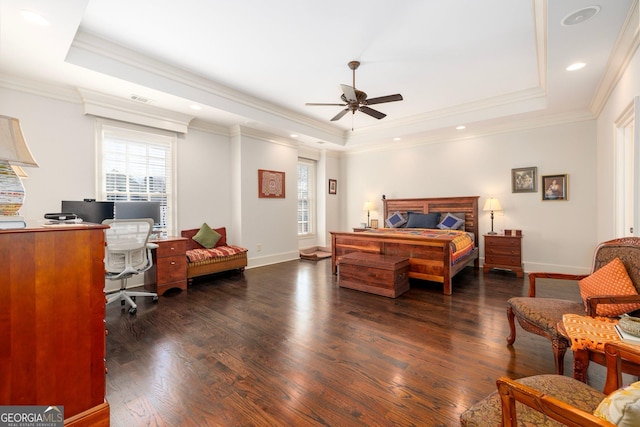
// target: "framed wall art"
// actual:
[[555, 187], [271, 184], [333, 186], [524, 180]]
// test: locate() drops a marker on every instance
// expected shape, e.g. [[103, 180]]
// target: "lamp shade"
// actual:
[[368, 206], [13, 152], [492, 204], [13, 147]]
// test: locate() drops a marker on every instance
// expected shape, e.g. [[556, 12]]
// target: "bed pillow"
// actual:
[[612, 279], [396, 220], [451, 222], [420, 220], [622, 407], [462, 216], [207, 236]]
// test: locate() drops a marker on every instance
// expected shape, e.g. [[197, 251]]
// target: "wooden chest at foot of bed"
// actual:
[[377, 274]]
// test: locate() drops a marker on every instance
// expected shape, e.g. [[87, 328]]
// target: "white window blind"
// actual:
[[306, 203], [137, 165]]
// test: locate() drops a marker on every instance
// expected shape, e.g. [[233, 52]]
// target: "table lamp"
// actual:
[[13, 152], [492, 204], [368, 206]]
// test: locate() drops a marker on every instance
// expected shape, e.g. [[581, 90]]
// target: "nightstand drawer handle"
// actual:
[[173, 263]]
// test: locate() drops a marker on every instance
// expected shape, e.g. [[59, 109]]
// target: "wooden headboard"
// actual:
[[468, 205]]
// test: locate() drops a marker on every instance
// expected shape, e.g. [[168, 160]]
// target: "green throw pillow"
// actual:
[[206, 236]]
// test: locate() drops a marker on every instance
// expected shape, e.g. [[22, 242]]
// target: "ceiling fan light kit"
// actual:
[[356, 100]]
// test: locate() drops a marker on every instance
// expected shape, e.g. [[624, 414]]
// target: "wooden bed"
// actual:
[[430, 259]]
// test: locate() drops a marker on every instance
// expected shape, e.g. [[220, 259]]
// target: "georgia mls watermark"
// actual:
[[31, 416]]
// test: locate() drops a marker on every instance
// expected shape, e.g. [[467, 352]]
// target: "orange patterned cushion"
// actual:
[[612, 279]]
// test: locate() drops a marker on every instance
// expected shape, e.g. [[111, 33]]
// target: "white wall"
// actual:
[[62, 142], [626, 89], [269, 225], [558, 235], [204, 180]]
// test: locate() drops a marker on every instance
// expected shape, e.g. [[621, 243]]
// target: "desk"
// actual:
[[588, 346]]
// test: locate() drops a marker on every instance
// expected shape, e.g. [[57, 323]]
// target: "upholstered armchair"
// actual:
[[541, 316], [554, 400]]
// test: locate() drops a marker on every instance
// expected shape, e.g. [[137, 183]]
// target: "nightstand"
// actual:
[[504, 252], [169, 265]]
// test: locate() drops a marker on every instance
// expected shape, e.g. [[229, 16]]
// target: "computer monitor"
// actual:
[[138, 209], [94, 212]]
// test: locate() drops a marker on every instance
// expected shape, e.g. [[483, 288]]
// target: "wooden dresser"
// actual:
[[169, 266], [504, 252], [52, 314]]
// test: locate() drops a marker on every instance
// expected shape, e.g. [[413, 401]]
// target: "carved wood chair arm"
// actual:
[[560, 276], [614, 354], [511, 391], [592, 302]]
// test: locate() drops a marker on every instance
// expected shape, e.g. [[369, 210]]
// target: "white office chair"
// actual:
[[128, 252]]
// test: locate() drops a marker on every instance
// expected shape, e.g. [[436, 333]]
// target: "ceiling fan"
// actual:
[[356, 100]]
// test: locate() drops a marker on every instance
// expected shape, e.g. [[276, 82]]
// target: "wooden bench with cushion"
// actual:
[[222, 257]]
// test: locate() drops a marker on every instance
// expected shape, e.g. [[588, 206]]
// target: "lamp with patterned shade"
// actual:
[[13, 152], [492, 204]]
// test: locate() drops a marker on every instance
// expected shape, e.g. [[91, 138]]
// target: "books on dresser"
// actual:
[[12, 222]]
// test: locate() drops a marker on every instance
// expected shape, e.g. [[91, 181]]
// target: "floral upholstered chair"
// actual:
[[611, 290], [557, 400]]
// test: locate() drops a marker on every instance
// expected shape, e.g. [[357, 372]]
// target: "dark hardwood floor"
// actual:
[[283, 345]]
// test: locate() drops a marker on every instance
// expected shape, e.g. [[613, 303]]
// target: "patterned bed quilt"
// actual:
[[462, 242]]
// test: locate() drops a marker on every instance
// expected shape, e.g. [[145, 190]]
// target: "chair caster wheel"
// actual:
[[155, 299], [133, 310]]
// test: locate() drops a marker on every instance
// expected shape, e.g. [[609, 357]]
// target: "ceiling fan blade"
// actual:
[[381, 99], [316, 104], [349, 93], [340, 114], [373, 113]]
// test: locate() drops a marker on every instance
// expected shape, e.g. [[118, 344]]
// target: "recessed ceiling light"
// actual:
[[294, 135], [576, 66], [580, 16], [397, 138], [461, 127], [195, 107], [35, 18]]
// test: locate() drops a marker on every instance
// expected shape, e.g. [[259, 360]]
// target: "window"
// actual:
[[306, 174], [136, 164]]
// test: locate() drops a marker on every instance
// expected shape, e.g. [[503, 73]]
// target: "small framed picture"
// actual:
[[524, 180], [555, 187], [374, 223], [271, 184], [333, 186]]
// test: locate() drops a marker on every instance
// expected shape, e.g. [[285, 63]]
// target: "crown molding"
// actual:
[[61, 93], [111, 107], [92, 52], [624, 49], [448, 135], [243, 131], [204, 126]]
